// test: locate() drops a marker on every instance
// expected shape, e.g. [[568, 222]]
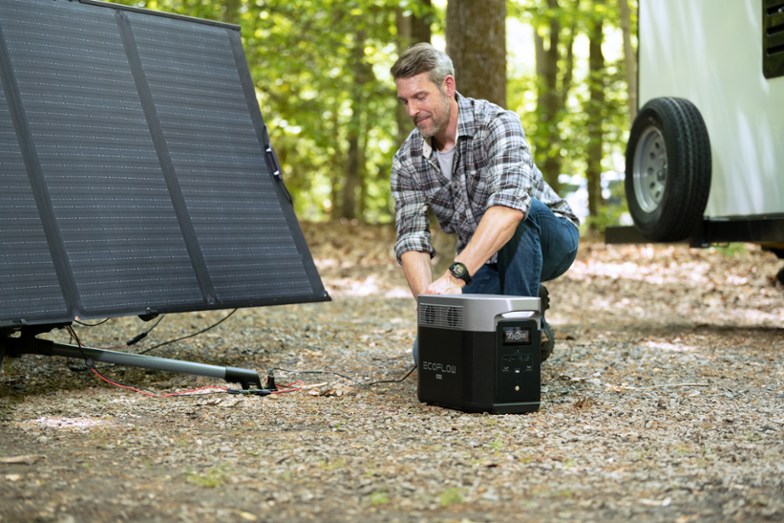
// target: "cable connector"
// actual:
[[136, 339], [270, 383]]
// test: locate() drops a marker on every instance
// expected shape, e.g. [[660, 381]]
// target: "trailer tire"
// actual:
[[668, 169]]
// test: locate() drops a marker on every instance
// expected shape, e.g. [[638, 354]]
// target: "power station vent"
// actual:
[[773, 38], [443, 316]]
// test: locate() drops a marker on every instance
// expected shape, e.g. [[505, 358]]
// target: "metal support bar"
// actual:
[[31, 345]]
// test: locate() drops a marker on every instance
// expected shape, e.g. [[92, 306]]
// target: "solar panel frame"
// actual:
[[138, 173]]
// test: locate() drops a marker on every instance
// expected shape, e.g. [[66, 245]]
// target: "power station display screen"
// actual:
[[516, 335]]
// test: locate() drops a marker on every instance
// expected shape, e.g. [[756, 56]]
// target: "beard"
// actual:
[[433, 122]]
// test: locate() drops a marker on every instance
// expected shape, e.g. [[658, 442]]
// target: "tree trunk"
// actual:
[[476, 42], [411, 29], [595, 117], [337, 162], [551, 95], [629, 57], [354, 163], [364, 181], [349, 204]]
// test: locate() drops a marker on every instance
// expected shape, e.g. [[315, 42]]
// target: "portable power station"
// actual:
[[479, 352]]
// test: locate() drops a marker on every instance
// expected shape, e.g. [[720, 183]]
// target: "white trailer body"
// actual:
[[710, 53], [705, 158]]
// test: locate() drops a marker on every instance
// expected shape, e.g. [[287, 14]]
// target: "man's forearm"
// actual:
[[495, 229], [416, 267]]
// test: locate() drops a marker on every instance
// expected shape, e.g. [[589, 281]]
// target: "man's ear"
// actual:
[[449, 86]]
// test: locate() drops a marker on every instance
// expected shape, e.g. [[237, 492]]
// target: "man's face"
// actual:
[[426, 104]]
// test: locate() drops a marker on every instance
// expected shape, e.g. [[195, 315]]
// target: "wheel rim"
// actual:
[[650, 169]]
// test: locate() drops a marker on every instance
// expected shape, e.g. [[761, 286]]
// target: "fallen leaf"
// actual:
[[584, 403]]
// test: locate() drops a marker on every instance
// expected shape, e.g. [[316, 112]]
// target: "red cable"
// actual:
[[152, 394], [289, 387], [121, 386]]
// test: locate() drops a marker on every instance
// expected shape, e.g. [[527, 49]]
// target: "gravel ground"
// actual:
[[663, 401]]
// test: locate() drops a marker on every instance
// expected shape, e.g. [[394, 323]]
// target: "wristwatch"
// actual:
[[460, 272]]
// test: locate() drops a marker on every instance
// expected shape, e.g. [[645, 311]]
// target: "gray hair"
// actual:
[[423, 58]]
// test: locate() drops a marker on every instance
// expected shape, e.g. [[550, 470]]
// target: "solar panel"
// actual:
[[137, 171]]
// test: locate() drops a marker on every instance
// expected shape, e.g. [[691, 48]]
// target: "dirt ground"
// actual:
[[663, 402]]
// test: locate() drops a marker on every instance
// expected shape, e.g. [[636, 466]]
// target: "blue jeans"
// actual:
[[543, 247]]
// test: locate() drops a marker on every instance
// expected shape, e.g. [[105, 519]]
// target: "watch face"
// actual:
[[458, 269]]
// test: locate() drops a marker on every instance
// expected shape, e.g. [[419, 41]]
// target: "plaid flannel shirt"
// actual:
[[492, 166]]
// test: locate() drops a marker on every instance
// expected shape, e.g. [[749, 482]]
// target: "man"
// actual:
[[469, 163]]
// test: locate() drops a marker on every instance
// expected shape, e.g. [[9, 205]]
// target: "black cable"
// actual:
[[85, 324], [75, 337], [317, 372], [400, 380], [358, 382], [202, 331], [89, 363], [139, 337]]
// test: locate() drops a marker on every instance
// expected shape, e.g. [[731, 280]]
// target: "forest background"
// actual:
[[321, 71]]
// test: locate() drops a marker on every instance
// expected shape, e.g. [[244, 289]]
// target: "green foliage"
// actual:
[[379, 498], [564, 137], [731, 250], [450, 496], [213, 477], [320, 70]]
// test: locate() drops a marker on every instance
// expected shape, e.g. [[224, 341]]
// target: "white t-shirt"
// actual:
[[445, 161]]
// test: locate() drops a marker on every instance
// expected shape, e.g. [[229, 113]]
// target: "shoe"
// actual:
[[547, 341]]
